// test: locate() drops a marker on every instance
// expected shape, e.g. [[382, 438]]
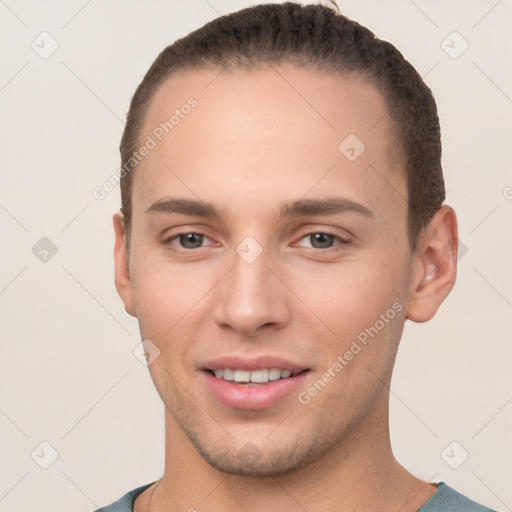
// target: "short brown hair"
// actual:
[[320, 37]]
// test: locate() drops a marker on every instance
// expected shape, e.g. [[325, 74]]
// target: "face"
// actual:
[[262, 241]]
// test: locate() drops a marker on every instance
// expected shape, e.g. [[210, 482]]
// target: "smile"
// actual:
[[245, 394], [252, 377]]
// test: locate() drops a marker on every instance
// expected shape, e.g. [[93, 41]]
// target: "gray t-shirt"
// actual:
[[445, 499]]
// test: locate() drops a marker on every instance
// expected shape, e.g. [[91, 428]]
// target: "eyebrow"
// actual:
[[298, 208]]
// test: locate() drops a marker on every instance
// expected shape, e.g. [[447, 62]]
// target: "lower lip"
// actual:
[[259, 396]]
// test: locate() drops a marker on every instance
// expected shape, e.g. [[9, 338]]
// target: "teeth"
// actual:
[[274, 374], [242, 376], [257, 376]]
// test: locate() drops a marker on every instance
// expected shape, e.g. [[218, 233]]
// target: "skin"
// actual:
[[251, 144]]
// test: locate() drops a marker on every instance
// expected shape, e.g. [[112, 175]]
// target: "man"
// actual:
[[282, 217]]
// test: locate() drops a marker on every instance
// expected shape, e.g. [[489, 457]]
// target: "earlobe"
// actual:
[[121, 264], [435, 266]]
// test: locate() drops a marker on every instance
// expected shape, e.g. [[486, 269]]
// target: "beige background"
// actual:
[[68, 375]]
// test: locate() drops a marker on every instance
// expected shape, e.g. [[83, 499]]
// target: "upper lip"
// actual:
[[254, 363]]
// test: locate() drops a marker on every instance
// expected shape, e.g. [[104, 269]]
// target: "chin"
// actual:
[[253, 459], [267, 465]]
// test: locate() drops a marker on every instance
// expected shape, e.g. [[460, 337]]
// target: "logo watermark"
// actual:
[[355, 348], [152, 141]]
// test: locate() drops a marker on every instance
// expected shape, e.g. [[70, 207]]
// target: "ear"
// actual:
[[122, 264], [434, 266]]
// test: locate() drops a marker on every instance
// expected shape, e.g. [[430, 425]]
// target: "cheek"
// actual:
[[173, 305], [167, 301], [351, 295], [164, 292], [362, 305]]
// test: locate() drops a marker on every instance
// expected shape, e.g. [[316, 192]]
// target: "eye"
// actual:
[[317, 240], [321, 240], [188, 240]]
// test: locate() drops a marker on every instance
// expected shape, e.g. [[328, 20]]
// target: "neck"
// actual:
[[358, 473]]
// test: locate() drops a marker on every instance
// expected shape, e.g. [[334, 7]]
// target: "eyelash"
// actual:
[[340, 247]]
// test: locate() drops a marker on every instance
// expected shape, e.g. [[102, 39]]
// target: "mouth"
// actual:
[[255, 377], [253, 384]]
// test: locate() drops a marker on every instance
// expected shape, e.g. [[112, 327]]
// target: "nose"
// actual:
[[251, 299]]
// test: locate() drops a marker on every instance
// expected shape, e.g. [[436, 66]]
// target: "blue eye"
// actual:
[[321, 240], [188, 240], [191, 240], [317, 240]]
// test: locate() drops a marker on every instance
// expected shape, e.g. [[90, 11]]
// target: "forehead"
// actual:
[[329, 102], [281, 126]]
